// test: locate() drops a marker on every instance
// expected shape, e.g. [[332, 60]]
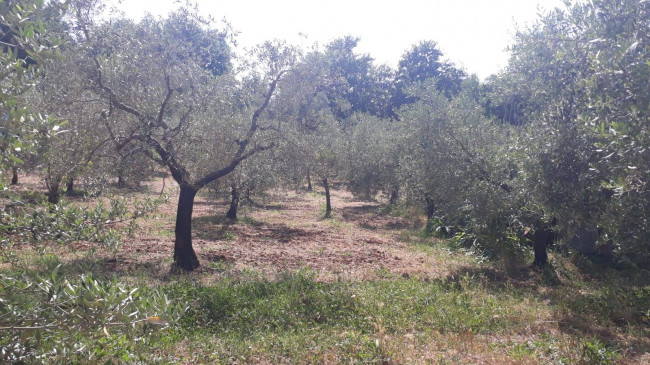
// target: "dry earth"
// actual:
[[285, 231]]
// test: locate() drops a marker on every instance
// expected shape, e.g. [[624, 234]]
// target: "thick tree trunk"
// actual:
[[234, 202], [69, 189], [539, 247], [394, 196], [121, 183], [431, 208], [366, 194], [54, 193], [309, 187], [542, 237], [14, 176], [328, 202], [184, 256]]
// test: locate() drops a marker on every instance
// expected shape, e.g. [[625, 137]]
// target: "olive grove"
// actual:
[[554, 149]]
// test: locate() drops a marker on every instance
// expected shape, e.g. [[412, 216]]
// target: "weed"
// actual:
[[77, 319], [228, 236], [248, 220], [596, 352]]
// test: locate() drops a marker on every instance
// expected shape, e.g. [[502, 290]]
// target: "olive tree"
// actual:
[[371, 159], [74, 147], [27, 39], [584, 70], [319, 112], [255, 176], [171, 79], [457, 164]]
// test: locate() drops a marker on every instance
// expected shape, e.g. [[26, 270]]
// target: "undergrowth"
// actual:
[[47, 316], [63, 223]]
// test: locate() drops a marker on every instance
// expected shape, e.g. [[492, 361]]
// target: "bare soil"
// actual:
[[284, 231], [287, 232]]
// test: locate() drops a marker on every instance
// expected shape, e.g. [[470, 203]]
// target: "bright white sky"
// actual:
[[471, 33]]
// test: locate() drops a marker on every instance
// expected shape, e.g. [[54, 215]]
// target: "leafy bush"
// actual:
[[83, 319], [65, 222], [596, 352]]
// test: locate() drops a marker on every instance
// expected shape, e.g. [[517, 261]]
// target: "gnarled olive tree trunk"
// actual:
[[234, 202], [328, 202], [184, 255], [431, 207], [309, 187], [69, 188], [53, 184], [543, 236], [540, 239], [394, 196], [14, 176]]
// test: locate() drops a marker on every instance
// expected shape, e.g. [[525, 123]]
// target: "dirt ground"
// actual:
[[284, 231], [287, 232]]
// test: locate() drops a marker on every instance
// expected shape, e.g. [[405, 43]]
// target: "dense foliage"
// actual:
[[555, 148], [552, 153]]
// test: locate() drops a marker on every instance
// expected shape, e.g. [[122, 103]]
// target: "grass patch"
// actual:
[[160, 227], [470, 311], [250, 221], [337, 224], [298, 319]]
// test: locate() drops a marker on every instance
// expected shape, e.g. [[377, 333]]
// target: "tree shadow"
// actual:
[[265, 206], [362, 199], [212, 227], [605, 310], [373, 217], [219, 227], [282, 233]]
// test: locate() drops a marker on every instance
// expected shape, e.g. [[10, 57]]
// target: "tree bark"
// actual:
[[184, 255], [309, 187], [234, 203], [53, 193], [543, 236], [539, 247], [69, 189], [121, 183], [14, 176], [431, 208], [328, 202], [394, 196]]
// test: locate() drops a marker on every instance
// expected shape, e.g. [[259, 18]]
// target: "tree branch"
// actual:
[[482, 171], [241, 153], [256, 115], [161, 112]]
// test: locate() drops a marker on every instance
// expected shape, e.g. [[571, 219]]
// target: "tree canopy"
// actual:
[[558, 141]]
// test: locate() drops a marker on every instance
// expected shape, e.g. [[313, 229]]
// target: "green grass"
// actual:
[[160, 227], [250, 221], [298, 319], [337, 224]]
